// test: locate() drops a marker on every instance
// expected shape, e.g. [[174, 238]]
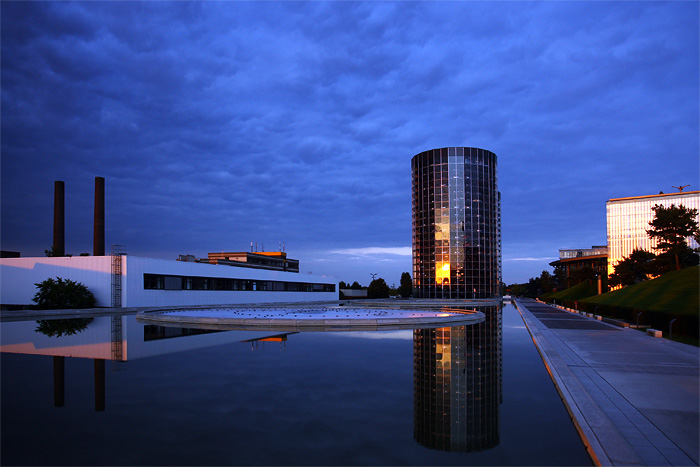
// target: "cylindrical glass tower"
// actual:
[[456, 224]]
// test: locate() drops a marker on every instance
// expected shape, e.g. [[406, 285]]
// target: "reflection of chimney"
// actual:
[[98, 242], [59, 381], [59, 219], [99, 384]]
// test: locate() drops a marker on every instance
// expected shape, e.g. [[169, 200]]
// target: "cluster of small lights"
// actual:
[[306, 313]]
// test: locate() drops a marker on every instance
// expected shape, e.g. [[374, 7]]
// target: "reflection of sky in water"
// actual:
[[324, 398], [404, 334]]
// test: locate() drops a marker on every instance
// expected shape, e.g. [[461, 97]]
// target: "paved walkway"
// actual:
[[634, 398]]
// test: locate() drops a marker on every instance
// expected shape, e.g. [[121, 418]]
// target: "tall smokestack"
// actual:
[[98, 239], [59, 218]]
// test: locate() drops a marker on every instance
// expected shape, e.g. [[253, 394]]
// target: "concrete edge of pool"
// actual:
[[352, 321], [628, 408], [593, 447]]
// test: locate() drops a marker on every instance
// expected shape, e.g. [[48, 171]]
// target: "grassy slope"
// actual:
[[577, 292], [676, 291]]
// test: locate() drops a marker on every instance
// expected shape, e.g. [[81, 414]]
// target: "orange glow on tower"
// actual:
[[442, 273]]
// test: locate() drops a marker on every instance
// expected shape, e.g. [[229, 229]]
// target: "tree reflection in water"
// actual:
[[62, 327]]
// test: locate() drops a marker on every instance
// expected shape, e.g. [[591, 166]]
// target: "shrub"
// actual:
[[63, 293]]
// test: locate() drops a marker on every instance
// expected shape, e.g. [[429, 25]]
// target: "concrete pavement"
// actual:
[[634, 399]]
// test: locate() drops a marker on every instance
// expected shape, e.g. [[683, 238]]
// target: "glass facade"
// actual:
[[456, 224], [457, 381], [583, 252], [628, 220]]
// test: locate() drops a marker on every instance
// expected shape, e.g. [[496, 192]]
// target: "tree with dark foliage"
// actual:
[[63, 293], [634, 269], [671, 226], [406, 285], [586, 273], [378, 289]]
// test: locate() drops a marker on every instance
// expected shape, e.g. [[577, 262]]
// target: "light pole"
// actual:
[[670, 329], [373, 274]]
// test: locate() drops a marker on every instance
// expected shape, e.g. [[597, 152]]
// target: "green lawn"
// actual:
[[577, 292], [676, 292], [670, 300]]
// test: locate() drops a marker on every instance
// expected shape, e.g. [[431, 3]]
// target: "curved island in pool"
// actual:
[[320, 318]]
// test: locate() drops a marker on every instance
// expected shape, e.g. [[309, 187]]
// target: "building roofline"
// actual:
[[454, 147], [660, 195], [274, 254], [579, 258]]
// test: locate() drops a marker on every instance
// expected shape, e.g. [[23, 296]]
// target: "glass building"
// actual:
[[456, 224], [628, 221]]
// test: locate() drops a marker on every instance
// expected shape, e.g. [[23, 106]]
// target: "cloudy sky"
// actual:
[[220, 123]]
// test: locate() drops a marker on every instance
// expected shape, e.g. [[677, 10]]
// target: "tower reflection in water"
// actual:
[[457, 384]]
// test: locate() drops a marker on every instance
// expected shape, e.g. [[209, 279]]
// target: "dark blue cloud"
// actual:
[[220, 123]]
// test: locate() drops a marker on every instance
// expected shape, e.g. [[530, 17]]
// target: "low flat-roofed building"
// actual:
[[628, 220], [351, 294], [572, 259], [273, 260], [131, 281]]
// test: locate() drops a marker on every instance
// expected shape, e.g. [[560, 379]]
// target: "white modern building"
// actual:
[[628, 220], [131, 281]]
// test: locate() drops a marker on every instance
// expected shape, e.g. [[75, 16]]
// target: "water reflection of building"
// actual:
[[279, 338], [457, 385], [115, 338]]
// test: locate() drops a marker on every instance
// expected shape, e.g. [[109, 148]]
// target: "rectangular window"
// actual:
[[153, 281], [165, 282], [173, 283]]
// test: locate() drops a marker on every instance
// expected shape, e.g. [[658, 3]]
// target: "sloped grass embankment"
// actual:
[[581, 290], [674, 295]]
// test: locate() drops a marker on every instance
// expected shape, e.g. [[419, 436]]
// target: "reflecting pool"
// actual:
[[113, 391]]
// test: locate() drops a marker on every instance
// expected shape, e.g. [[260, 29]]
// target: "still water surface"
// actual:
[[474, 395]]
